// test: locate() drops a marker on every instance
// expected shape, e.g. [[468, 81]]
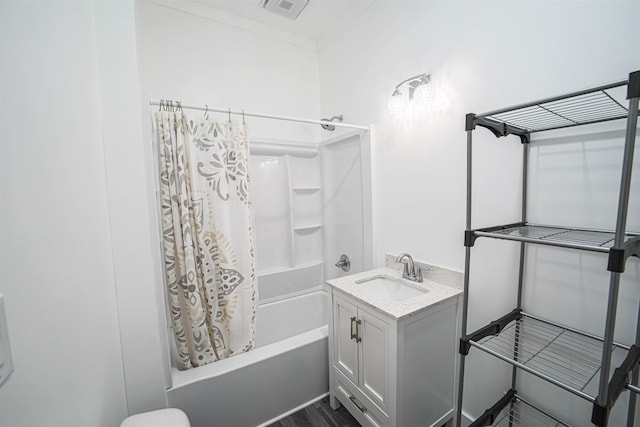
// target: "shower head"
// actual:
[[329, 127]]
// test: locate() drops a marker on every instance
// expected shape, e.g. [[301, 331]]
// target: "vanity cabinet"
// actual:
[[363, 350], [390, 371]]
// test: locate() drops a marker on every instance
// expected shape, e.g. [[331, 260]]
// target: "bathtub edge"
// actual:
[[181, 378]]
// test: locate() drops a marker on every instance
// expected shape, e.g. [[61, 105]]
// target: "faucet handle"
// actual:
[[418, 273]]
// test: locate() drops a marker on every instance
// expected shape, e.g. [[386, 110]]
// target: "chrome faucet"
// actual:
[[410, 271]]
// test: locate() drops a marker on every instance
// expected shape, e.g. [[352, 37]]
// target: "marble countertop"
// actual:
[[438, 293]]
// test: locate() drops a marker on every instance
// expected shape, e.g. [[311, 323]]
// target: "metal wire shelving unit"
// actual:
[[575, 361]]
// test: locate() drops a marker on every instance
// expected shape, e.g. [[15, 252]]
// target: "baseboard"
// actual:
[[446, 418], [294, 410], [466, 419]]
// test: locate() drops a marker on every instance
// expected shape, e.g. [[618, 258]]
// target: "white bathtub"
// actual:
[[286, 371]]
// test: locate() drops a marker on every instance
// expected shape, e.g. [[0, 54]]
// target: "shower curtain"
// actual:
[[208, 236]]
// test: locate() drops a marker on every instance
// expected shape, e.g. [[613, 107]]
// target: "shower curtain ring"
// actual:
[[229, 115], [243, 122], [206, 112]]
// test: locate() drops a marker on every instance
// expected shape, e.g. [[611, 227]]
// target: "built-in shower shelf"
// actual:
[[280, 270], [307, 227], [305, 189]]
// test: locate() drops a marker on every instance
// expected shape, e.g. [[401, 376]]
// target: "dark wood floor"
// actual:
[[319, 414]]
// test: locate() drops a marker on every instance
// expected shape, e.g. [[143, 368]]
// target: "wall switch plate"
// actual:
[[6, 363]]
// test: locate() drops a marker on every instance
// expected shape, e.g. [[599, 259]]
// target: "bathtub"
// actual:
[[288, 370]]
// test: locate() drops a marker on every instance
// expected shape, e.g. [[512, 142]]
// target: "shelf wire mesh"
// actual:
[[576, 110], [569, 357], [521, 414], [600, 240]]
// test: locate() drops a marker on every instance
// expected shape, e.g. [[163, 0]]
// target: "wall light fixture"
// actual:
[[418, 92]]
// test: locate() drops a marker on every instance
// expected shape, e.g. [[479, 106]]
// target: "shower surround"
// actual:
[[311, 204]]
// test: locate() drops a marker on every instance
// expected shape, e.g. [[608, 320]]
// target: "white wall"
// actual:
[[132, 209], [56, 259], [484, 55], [76, 233], [200, 60]]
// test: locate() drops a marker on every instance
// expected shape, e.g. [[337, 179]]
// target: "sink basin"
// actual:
[[392, 287]]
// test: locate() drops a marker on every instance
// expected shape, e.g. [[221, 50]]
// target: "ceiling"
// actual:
[[318, 22]]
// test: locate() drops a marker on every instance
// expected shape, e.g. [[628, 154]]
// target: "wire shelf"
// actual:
[[514, 410], [521, 414], [567, 358], [592, 240], [595, 105]]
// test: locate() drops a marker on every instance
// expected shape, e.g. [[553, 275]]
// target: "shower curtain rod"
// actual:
[[266, 116]]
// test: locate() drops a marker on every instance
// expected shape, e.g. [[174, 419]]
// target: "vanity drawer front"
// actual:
[[362, 408]]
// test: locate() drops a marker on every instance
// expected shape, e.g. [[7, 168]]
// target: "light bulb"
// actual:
[[423, 95], [397, 104]]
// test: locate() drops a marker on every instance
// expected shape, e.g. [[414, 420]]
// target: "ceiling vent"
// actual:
[[287, 8]]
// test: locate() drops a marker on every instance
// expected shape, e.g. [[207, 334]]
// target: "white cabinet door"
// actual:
[[374, 358], [362, 350], [346, 347]]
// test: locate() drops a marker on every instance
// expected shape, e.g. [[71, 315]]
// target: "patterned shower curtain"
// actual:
[[208, 237]]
